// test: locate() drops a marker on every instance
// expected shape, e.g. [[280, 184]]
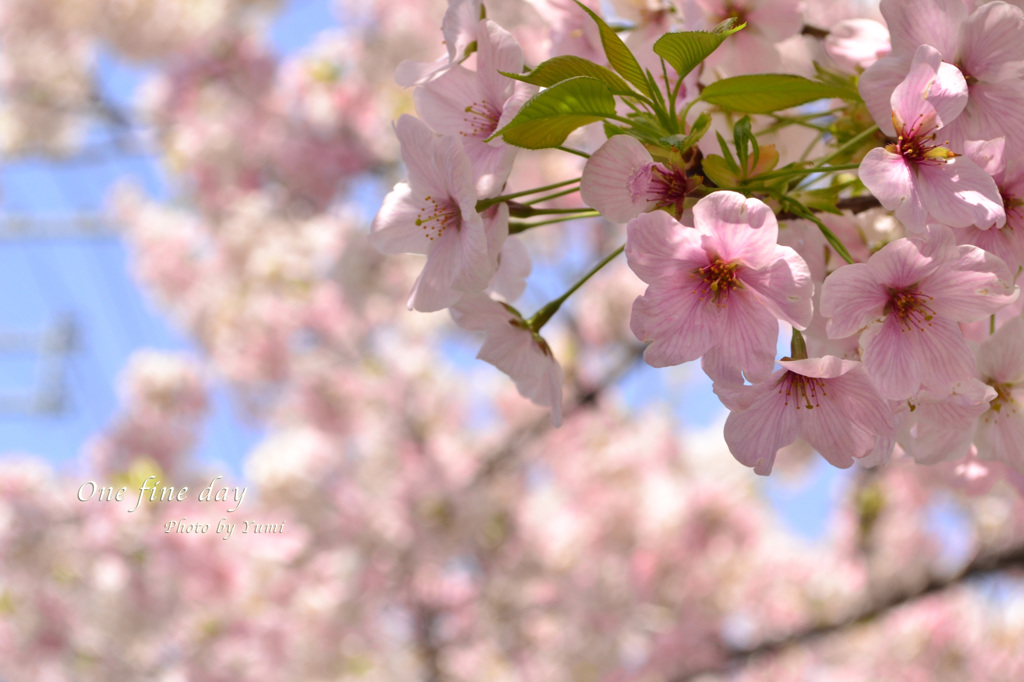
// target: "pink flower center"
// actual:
[[482, 120], [916, 144], [1004, 399], [437, 216], [717, 280], [1014, 207], [731, 11], [805, 392], [910, 307], [971, 80], [668, 188]]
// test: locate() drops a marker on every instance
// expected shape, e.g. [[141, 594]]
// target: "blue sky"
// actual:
[[86, 281]]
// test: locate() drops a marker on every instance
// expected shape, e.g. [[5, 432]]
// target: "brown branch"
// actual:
[[985, 563], [852, 204], [425, 627]]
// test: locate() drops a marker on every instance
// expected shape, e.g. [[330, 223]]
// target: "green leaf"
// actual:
[[558, 69], [619, 56], [726, 153], [697, 131], [550, 115], [686, 49], [765, 93], [718, 170], [823, 199]]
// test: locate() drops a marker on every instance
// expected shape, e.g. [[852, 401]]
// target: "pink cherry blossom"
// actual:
[[1006, 242], [984, 45], [755, 49], [474, 104], [829, 402], [856, 44], [907, 300], [621, 180], [435, 214], [918, 179], [515, 349], [716, 289], [1000, 433]]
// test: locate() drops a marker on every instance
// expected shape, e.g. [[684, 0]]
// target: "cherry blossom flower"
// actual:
[[829, 402], [983, 44], [621, 180], [856, 44], [716, 289], [1006, 242], [1000, 433], [474, 104], [515, 349], [435, 214], [907, 300], [918, 179], [756, 48]]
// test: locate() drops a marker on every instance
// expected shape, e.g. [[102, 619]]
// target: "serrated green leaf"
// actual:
[[558, 69], [550, 115], [686, 49], [765, 93], [619, 56]]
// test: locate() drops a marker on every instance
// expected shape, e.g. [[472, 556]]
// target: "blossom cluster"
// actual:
[[907, 330]]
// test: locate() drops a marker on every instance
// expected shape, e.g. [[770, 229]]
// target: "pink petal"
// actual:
[[785, 287], [892, 181], [497, 50], [433, 289], [442, 102], [610, 176], [959, 194], [755, 435], [942, 356], [900, 264], [993, 110], [737, 228], [1000, 358], [933, 93], [944, 430], [394, 228], [474, 265], [924, 22], [658, 248], [420, 157], [827, 367], [857, 43], [1000, 435], [851, 298], [749, 338], [680, 325], [514, 267], [859, 401], [877, 84], [990, 44], [973, 288], [891, 360]]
